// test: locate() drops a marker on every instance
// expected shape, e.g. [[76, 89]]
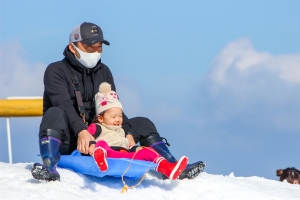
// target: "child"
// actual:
[[108, 133], [291, 175]]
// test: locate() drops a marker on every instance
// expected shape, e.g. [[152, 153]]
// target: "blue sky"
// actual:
[[220, 79]]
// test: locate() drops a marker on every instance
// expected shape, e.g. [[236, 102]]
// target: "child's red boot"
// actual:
[[100, 158], [171, 170]]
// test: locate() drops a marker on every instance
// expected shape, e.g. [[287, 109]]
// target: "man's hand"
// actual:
[[91, 149], [84, 138], [131, 140]]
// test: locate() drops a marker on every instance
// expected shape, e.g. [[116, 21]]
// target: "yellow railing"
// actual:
[[19, 107], [14, 107]]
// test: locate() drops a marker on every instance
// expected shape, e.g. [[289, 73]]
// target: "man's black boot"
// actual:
[[156, 142]]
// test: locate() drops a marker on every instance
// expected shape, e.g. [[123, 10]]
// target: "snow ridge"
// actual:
[[16, 182]]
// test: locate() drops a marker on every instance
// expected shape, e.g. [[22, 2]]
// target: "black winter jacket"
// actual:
[[59, 91]]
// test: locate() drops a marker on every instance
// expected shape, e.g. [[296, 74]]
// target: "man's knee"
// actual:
[[55, 123], [141, 120], [54, 118], [54, 111], [143, 127]]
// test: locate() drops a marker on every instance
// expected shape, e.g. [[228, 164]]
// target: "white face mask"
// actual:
[[88, 59]]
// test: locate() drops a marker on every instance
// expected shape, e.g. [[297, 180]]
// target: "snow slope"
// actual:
[[16, 182]]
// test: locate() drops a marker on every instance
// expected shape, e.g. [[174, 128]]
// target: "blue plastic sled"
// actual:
[[116, 166]]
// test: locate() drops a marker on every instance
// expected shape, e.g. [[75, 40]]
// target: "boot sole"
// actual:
[[178, 169], [100, 159], [39, 172], [193, 171]]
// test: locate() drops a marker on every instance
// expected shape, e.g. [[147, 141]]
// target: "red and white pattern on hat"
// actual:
[[106, 98]]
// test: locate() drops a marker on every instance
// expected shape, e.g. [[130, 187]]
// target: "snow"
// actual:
[[16, 182]]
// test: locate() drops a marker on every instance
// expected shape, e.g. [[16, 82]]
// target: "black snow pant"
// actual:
[[55, 118]]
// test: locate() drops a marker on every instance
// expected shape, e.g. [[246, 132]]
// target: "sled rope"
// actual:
[[126, 187]]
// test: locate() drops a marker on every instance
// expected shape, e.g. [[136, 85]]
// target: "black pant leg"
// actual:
[[55, 118], [142, 127]]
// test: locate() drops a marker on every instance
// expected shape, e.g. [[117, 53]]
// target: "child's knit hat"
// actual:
[[106, 99]]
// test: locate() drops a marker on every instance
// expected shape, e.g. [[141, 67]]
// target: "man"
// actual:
[[68, 106]]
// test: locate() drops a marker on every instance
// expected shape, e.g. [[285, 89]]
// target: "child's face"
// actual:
[[112, 117]]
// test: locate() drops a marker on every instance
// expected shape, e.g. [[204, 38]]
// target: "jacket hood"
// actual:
[[84, 71], [76, 64]]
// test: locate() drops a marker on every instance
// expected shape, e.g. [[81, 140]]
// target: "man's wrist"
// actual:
[[77, 134], [129, 133]]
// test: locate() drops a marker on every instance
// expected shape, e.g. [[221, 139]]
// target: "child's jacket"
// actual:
[[112, 135]]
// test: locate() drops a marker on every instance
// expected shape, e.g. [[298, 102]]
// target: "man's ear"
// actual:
[[71, 48]]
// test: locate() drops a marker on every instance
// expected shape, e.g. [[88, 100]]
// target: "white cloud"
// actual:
[[251, 91], [241, 56], [287, 67], [18, 76]]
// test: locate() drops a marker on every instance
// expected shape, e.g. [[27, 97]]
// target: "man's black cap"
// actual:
[[87, 33]]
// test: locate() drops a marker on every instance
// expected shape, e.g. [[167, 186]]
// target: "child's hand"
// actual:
[[130, 140], [91, 149]]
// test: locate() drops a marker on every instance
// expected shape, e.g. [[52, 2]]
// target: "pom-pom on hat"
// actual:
[[106, 99]]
